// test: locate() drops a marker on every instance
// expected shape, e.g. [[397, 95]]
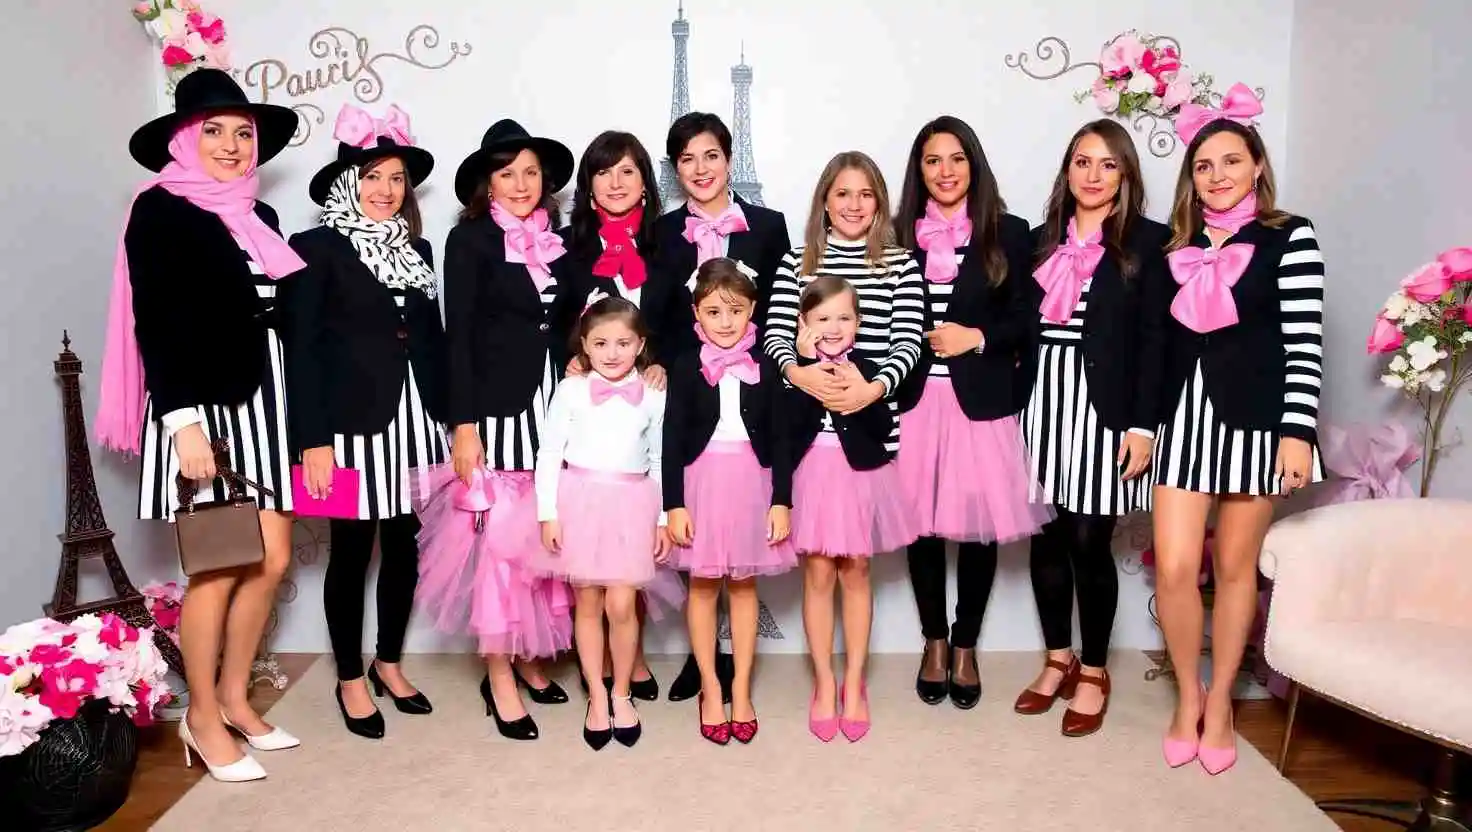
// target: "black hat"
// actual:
[[506, 134], [417, 163], [205, 91]]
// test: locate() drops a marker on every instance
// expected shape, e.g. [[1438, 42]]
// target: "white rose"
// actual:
[[1392, 381], [1424, 354], [170, 23], [1414, 313], [1436, 380], [1142, 82], [1398, 364], [1396, 306], [1466, 337]]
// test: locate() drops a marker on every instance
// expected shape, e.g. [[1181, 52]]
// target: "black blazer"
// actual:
[[761, 247], [1124, 331], [861, 435], [692, 406], [188, 272], [349, 346], [993, 384], [581, 282], [497, 328]]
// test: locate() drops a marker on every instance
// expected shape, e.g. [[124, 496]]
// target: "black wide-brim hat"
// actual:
[[200, 93], [507, 135], [417, 164]]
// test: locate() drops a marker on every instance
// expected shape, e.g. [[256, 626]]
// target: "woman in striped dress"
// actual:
[[366, 390], [1241, 395], [1100, 307], [192, 357], [849, 235]]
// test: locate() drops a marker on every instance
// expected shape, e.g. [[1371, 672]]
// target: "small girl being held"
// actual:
[[598, 500]]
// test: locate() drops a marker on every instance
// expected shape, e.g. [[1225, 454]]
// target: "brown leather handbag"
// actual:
[[223, 534]]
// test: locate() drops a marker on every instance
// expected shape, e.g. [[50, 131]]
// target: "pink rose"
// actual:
[[1105, 95], [175, 55], [66, 687], [1122, 55], [46, 655], [116, 632], [8, 664], [1159, 62], [1428, 283], [1177, 91], [209, 27], [143, 9], [1385, 337], [1467, 314], [167, 617], [1458, 261]]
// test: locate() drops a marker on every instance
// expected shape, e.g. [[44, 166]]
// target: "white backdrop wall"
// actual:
[[829, 76]]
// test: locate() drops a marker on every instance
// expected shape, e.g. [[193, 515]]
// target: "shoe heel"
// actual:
[[375, 682], [188, 758]]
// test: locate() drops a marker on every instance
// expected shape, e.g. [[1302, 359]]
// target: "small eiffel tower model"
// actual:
[[87, 535]]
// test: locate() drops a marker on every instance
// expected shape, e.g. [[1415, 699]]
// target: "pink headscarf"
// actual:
[[120, 409]]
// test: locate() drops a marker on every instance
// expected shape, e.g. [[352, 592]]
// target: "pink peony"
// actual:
[[1177, 90], [65, 687], [1385, 337], [166, 616], [116, 632], [48, 655], [209, 27], [175, 55], [1122, 56], [143, 715], [1458, 261], [217, 57], [1159, 62], [1428, 283], [1106, 96]]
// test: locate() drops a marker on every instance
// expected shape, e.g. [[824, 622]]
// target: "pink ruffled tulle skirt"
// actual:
[[729, 494], [473, 548], [965, 480], [840, 512]]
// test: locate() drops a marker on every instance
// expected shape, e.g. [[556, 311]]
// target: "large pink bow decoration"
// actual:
[[1206, 276], [602, 390], [1240, 104], [1063, 274], [940, 236], [1370, 462], [359, 129]]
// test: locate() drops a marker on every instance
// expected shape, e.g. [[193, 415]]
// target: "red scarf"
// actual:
[[619, 256]]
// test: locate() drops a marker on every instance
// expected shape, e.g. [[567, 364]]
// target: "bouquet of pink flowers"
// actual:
[[165, 601], [190, 37], [49, 670], [1144, 74]]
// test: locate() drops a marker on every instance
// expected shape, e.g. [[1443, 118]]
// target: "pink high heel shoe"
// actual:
[[855, 729], [1218, 760], [823, 729], [1179, 752]]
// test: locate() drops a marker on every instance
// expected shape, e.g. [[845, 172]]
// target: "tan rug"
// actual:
[[921, 768]]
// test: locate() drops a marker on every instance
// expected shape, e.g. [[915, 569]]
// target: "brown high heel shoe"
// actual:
[[1032, 703], [1076, 724]]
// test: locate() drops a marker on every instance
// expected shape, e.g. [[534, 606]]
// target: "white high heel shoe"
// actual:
[[240, 771], [276, 740]]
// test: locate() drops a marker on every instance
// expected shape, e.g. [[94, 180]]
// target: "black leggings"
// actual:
[[1073, 553], [342, 588], [976, 567]]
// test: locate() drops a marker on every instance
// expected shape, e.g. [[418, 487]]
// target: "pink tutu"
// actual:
[[474, 580], [965, 480], [728, 494], [609, 523], [840, 512]]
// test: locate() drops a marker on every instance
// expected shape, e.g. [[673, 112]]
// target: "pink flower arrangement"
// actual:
[[165, 602], [1144, 74], [189, 37], [49, 670]]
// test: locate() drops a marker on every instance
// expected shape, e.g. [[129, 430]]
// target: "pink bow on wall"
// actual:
[[1240, 104], [1369, 461], [356, 127]]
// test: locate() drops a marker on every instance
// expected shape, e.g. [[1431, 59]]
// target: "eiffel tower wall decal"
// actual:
[[87, 536]]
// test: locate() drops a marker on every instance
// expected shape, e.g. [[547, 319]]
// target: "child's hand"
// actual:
[[779, 524], [654, 376], [681, 529], [575, 367], [662, 545], [807, 340], [552, 536]]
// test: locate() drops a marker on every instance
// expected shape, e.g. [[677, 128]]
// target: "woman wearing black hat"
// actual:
[[509, 318], [192, 358], [366, 390]]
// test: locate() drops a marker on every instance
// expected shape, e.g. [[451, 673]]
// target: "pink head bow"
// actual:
[[1240, 104], [736, 359], [706, 232], [1206, 276], [1063, 274], [359, 129], [530, 241], [939, 237], [602, 390]]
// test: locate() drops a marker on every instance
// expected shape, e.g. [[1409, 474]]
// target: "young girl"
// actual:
[[847, 503], [727, 483], [598, 498]]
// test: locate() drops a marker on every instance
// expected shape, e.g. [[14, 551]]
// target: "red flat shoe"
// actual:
[[720, 734], [744, 732]]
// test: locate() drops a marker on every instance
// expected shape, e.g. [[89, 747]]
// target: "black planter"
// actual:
[[74, 777]]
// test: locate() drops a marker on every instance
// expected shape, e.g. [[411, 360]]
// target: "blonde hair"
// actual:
[[1185, 213], [881, 230]]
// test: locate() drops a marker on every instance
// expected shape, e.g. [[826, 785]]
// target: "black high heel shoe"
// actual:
[[647, 690], [370, 727], [629, 735], [687, 684], [964, 697], [418, 704], [933, 692], [597, 739], [524, 728], [552, 694]]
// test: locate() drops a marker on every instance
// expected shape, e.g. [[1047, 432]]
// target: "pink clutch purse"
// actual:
[[341, 504]]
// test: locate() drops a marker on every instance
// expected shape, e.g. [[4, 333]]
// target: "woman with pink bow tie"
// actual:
[[961, 458], [1101, 288], [1241, 394]]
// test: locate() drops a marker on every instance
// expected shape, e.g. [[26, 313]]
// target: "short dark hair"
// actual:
[[604, 152], [721, 274], [410, 209], [603, 311], [480, 202], [687, 127], [823, 289]]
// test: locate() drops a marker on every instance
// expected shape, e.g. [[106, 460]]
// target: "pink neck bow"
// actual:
[[1063, 274], [359, 129], [939, 237], [840, 357], [1240, 104], [716, 361], [530, 241], [602, 390], [1204, 302], [706, 232]]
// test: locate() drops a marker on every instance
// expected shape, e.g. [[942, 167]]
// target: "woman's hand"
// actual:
[[856, 397], [681, 529], [317, 471], [949, 340], [779, 524], [1295, 461], [467, 453], [552, 536], [196, 457], [817, 380], [1134, 455], [654, 376], [662, 545]]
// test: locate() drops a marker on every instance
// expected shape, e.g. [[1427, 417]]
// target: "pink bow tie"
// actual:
[[706, 232], [357, 128], [602, 390], [716, 361], [939, 236], [1206, 276], [825, 358], [530, 242], [1063, 274], [1240, 104]]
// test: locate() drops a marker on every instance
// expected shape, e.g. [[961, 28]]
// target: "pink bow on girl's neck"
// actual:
[[1063, 274], [716, 361], [359, 129], [939, 236], [707, 232], [531, 242]]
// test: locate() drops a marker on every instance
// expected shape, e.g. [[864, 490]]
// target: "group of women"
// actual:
[[1041, 384]]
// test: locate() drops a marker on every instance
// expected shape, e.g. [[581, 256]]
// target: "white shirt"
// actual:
[[612, 437], [730, 427]]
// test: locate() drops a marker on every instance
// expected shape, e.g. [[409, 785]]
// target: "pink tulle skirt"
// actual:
[[473, 578], [728, 494], [840, 512], [965, 480]]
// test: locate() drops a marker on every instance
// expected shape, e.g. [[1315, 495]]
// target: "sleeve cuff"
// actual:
[[546, 515], [664, 519], [176, 420], [1148, 434]]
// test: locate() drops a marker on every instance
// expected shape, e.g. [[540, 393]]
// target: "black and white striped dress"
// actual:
[[1074, 455], [256, 430], [386, 460], [891, 311], [939, 296], [512, 442]]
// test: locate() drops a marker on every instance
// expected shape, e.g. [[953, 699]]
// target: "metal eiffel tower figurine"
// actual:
[[87, 535]]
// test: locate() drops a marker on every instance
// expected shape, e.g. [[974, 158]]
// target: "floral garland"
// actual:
[[1144, 74], [190, 37]]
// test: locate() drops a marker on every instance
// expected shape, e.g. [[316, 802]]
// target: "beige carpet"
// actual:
[[921, 768]]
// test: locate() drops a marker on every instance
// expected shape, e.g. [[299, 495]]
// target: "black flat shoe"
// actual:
[[418, 704], [370, 727], [962, 696], [552, 694], [626, 736], [596, 739], [647, 690], [933, 692], [524, 728]]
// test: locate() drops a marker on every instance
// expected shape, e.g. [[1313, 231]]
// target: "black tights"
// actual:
[[342, 588], [976, 567], [1073, 552]]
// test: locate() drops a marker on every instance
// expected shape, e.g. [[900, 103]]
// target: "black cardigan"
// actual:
[[652, 293], [993, 384], [348, 345], [692, 407], [496, 326], [862, 435], [190, 276]]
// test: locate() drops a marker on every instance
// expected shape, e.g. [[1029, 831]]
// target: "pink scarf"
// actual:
[[707, 232], [1063, 274], [1206, 276], [120, 407], [939, 237], [839, 358], [716, 361], [1233, 219], [530, 242], [619, 254]]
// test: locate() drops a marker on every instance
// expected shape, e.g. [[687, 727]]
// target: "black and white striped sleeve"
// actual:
[[906, 326], [780, 336], [1301, 307]]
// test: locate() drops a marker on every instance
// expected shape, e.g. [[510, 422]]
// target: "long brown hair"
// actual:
[[1129, 203], [608, 309], [881, 230], [480, 201], [409, 210], [984, 201], [1185, 213]]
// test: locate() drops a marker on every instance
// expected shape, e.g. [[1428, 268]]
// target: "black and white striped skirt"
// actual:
[[511, 442], [386, 460]]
